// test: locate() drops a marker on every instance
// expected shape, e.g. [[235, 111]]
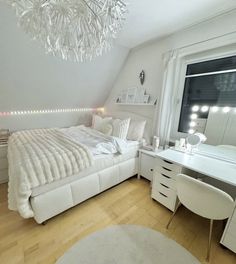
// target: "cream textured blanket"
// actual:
[[37, 157]]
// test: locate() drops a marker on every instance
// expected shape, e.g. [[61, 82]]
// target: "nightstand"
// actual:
[[3, 164], [146, 163]]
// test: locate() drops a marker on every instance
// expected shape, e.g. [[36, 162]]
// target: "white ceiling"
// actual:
[[149, 19]]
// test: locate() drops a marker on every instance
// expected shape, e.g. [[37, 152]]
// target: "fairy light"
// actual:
[[50, 111]]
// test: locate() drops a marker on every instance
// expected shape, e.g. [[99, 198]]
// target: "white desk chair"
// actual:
[[204, 200]]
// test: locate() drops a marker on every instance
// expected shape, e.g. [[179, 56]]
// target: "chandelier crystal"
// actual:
[[75, 30]]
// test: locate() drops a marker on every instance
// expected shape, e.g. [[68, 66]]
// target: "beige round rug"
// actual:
[[127, 244]]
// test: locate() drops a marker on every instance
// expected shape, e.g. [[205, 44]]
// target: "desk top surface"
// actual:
[[212, 167]]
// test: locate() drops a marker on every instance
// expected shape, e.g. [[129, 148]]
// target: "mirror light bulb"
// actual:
[[191, 131], [192, 124], [204, 108], [226, 109], [193, 116], [195, 108], [214, 109]]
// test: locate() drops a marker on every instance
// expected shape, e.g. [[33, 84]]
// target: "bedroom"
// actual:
[[106, 141]]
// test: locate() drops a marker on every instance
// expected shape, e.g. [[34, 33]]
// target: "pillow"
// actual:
[[107, 129], [99, 122], [136, 130], [120, 128]]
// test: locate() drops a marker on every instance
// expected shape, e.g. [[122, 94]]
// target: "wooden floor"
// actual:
[[24, 241]]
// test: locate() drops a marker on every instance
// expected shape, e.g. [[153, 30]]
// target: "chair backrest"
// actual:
[[203, 199]]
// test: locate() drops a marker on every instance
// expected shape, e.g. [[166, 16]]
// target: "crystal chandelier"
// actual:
[[75, 30]]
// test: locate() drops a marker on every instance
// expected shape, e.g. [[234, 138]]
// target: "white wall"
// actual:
[[149, 58], [31, 79]]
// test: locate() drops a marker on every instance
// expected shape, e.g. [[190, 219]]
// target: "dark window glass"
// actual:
[[223, 64], [207, 90]]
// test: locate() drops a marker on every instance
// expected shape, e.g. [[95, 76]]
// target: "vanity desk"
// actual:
[[170, 162]]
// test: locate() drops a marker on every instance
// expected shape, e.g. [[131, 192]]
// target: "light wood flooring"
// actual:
[[24, 241]]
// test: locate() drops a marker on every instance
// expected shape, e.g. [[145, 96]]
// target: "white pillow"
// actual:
[[120, 128], [136, 130], [99, 123], [107, 129]]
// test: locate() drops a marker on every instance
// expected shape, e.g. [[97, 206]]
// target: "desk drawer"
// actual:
[[168, 165], [166, 172], [165, 180], [3, 163], [165, 190], [169, 202]]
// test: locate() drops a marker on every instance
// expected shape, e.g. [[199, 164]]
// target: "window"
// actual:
[[207, 84]]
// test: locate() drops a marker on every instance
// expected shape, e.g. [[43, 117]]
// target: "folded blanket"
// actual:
[[41, 156]]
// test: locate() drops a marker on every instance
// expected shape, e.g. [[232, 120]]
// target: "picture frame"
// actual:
[[146, 98], [131, 94], [139, 95]]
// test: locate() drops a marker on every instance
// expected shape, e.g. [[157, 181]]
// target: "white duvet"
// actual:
[[97, 142], [41, 156]]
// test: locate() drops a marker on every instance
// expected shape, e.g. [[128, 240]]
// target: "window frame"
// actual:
[[217, 53]]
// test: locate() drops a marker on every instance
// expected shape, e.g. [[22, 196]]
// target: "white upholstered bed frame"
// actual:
[[54, 202]]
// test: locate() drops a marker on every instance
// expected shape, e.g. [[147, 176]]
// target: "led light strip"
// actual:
[[51, 111]]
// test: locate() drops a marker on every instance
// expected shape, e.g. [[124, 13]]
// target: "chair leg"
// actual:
[[209, 240], [171, 218]]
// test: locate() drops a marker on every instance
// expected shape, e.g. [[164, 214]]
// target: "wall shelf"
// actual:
[[136, 104]]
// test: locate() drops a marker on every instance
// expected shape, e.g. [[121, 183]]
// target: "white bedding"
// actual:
[[43, 156], [97, 142], [101, 162]]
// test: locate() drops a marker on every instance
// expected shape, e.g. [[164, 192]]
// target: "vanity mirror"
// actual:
[[208, 101]]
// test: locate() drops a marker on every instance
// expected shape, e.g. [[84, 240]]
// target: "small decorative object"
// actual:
[[124, 97], [139, 95], [142, 77], [73, 30], [131, 93], [118, 100], [194, 141], [156, 143], [146, 98]]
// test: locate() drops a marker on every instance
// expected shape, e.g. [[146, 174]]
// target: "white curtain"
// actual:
[[168, 98]]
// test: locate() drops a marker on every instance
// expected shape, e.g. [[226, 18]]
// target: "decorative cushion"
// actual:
[[136, 130], [99, 122], [120, 128], [107, 129]]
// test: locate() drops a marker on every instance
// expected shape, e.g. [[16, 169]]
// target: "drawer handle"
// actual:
[[151, 169], [165, 186], [165, 176], [166, 169], [168, 161], [163, 194]]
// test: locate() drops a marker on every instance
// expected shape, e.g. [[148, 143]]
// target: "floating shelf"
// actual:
[[136, 104]]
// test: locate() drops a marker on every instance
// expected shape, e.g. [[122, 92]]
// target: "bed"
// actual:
[[42, 196]]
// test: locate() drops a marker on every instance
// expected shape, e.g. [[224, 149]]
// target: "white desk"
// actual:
[[171, 162], [214, 168]]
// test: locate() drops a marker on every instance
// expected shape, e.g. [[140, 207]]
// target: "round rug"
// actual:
[[127, 244]]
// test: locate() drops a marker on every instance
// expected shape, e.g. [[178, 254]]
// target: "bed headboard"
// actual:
[[148, 133]]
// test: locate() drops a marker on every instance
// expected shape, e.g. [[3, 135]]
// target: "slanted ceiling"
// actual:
[[31, 79]]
